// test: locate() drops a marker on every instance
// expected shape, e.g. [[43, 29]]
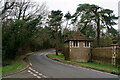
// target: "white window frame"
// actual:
[[75, 43], [70, 44], [86, 44]]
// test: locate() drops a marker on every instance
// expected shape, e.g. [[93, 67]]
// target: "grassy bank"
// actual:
[[17, 65], [14, 65], [92, 65]]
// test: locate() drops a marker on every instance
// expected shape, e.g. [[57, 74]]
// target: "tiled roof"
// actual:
[[78, 36]]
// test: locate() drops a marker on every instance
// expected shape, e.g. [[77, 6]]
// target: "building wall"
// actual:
[[79, 53], [66, 51]]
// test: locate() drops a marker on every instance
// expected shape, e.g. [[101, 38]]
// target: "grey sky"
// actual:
[[71, 5]]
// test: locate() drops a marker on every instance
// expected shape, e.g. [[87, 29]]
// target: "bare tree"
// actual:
[[23, 10]]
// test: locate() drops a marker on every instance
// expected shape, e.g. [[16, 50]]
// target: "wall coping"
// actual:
[[102, 47]]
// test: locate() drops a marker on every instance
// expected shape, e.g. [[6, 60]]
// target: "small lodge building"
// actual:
[[77, 47]]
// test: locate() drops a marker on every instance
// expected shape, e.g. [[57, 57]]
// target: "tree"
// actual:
[[7, 6], [67, 17], [21, 21], [55, 20], [95, 15], [23, 10]]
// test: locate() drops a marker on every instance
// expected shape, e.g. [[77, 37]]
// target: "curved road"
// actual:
[[55, 69]]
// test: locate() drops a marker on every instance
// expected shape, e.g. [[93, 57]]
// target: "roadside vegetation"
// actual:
[[15, 66], [110, 69]]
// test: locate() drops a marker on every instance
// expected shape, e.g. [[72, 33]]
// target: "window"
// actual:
[[87, 44], [75, 43]]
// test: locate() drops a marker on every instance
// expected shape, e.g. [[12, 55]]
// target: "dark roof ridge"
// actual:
[[78, 36]]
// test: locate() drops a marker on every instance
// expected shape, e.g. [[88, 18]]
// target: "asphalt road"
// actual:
[[55, 69], [22, 74]]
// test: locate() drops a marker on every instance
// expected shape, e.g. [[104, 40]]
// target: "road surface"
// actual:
[[55, 69]]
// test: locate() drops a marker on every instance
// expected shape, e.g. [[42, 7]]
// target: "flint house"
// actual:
[[77, 47]]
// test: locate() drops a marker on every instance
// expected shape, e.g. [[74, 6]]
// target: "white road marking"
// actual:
[[40, 74], [34, 74], [33, 70], [44, 76], [37, 72], [30, 64]]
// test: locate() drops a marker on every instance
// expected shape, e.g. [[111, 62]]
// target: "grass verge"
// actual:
[[15, 66], [91, 65]]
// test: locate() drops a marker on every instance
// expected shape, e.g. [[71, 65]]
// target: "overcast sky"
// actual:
[[71, 5]]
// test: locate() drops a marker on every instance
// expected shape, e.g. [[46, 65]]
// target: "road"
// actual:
[[55, 69], [42, 67], [21, 74]]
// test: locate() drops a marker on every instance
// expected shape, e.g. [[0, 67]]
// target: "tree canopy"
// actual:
[[90, 14], [55, 20]]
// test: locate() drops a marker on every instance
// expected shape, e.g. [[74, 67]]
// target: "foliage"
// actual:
[[23, 29], [16, 35], [55, 20], [105, 41], [90, 14], [19, 37], [67, 16]]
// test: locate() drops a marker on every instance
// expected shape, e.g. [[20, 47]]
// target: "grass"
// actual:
[[13, 67], [61, 56], [0, 70], [92, 65]]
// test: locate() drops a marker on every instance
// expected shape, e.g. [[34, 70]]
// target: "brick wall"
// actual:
[[66, 51], [102, 55], [79, 53], [118, 56]]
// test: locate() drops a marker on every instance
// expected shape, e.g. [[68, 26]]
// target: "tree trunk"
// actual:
[[66, 24], [56, 36], [98, 33], [84, 27]]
